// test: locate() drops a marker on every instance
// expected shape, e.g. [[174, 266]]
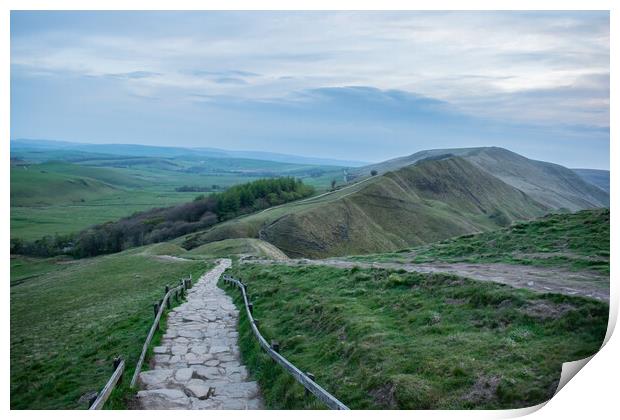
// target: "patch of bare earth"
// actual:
[[547, 310], [484, 389], [384, 396]]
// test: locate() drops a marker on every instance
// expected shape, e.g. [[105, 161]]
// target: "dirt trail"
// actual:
[[540, 279], [197, 366]]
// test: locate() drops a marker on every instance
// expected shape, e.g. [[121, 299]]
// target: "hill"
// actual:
[[52, 183], [575, 241], [430, 201], [596, 177], [549, 184], [86, 149], [61, 197]]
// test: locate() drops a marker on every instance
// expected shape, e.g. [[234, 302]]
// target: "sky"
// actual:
[[364, 86]]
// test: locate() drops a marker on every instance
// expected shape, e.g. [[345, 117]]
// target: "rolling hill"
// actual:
[[80, 150], [414, 205], [548, 183], [445, 193]]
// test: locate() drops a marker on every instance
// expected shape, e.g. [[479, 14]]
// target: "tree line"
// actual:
[[162, 224]]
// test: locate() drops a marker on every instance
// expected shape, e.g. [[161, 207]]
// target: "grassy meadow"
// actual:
[[576, 241], [381, 339], [70, 318]]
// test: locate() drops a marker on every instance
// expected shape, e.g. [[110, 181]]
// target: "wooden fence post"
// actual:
[[157, 305], [275, 346], [311, 376]]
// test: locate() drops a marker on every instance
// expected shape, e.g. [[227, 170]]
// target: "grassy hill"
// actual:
[[549, 184], [60, 197], [577, 241], [445, 193], [381, 339], [70, 318], [418, 204], [52, 183]]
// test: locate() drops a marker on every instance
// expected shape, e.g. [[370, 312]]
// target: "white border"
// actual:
[[591, 394]]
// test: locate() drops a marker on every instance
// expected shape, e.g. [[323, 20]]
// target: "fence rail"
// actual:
[[102, 397], [159, 310], [305, 379]]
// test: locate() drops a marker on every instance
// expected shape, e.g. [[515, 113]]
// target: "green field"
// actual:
[[577, 241], [61, 197], [381, 339], [70, 318]]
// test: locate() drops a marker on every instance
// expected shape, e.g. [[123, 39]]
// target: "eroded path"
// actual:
[[541, 279], [197, 365]]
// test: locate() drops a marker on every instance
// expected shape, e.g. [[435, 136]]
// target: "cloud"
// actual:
[[230, 80], [224, 73], [378, 70], [134, 75]]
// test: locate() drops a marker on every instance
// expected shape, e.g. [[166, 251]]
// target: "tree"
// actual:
[[333, 184], [373, 172]]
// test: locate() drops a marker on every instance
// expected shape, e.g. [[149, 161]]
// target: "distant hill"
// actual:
[[550, 184], [444, 193], [137, 150], [417, 204], [54, 182], [597, 177]]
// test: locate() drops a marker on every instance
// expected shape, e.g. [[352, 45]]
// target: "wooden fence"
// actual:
[[119, 364], [158, 309], [102, 397], [305, 379]]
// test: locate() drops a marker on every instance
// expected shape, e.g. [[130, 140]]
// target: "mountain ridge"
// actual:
[[139, 150]]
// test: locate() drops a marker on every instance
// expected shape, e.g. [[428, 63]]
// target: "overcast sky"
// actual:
[[359, 86]]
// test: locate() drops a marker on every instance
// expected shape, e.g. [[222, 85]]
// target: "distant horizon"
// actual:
[[355, 86], [293, 154]]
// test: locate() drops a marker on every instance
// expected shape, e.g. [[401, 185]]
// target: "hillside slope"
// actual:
[[418, 204], [578, 241], [550, 184]]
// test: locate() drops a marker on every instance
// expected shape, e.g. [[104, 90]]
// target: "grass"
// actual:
[[70, 318], [61, 197], [576, 241], [381, 339]]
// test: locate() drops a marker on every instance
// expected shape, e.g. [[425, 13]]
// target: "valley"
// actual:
[[60, 190]]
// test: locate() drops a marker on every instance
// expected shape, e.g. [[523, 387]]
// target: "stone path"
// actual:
[[197, 365]]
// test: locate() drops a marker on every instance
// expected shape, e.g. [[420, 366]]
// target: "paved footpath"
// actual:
[[197, 365]]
